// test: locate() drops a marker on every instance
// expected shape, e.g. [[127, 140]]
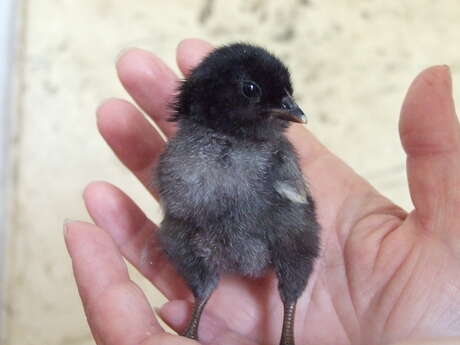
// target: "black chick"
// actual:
[[234, 198]]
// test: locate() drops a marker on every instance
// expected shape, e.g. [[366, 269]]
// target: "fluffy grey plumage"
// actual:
[[233, 195]]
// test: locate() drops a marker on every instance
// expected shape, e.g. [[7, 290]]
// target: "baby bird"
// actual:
[[234, 198]]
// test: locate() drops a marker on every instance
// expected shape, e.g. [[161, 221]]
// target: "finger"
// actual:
[[151, 84], [168, 339], [117, 310], [134, 235], [190, 53], [433, 341], [212, 330], [430, 135], [134, 141], [176, 314]]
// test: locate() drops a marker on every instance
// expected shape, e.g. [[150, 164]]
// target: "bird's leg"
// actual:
[[293, 270], [287, 335], [192, 329], [198, 272], [202, 281]]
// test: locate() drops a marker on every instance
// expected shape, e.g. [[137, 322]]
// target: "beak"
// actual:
[[289, 111]]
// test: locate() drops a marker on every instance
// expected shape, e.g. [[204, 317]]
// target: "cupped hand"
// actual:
[[384, 275]]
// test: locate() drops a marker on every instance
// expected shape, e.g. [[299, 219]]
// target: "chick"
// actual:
[[234, 198]]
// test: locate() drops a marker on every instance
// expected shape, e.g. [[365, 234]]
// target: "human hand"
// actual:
[[383, 276]]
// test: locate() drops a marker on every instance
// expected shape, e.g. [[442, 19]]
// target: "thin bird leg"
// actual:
[[192, 328], [287, 336]]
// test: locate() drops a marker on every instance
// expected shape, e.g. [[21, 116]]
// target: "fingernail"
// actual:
[[67, 221], [447, 68], [123, 52], [449, 74], [102, 103]]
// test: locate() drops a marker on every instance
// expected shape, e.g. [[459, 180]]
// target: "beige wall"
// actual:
[[351, 62]]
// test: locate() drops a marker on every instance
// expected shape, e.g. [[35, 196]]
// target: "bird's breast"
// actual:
[[235, 250], [212, 182]]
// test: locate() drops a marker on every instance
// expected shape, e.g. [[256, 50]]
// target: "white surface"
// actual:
[[6, 24]]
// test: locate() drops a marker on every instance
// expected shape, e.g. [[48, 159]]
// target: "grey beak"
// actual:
[[290, 111]]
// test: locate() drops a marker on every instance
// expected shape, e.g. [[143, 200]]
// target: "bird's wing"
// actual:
[[288, 180], [288, 190]]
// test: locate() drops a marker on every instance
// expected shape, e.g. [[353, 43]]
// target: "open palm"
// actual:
[[383, 275]]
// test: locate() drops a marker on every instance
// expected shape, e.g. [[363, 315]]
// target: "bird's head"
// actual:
[[239, 89]]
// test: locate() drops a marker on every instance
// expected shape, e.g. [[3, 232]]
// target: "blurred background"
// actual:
[[351, 61]]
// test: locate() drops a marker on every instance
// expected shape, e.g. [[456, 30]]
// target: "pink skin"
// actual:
[[384, 276]]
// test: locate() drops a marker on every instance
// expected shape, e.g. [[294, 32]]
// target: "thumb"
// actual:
[[430, 135]]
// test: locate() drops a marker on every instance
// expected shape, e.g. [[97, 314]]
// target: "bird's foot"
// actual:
[[191, 332], [287, 336], [287, 341]]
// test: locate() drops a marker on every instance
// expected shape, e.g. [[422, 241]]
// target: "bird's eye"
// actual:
[[251, 90]]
